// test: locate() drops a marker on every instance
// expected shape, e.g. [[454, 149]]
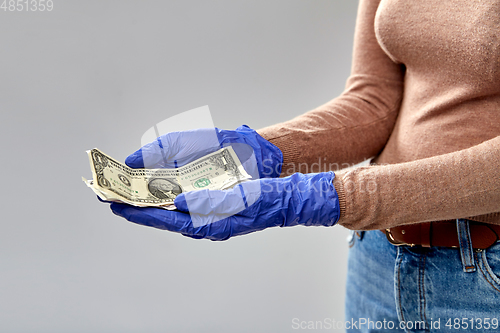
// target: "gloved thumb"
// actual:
[[151, 155], [135, 160]]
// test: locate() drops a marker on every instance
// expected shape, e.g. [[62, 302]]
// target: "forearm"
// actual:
[[462, 184], [345, 131]]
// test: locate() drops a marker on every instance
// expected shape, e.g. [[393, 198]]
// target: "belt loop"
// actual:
[[466, 252]]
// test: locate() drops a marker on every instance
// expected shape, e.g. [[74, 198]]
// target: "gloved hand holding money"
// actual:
[[227, 203], [300, 199], [260, 158]]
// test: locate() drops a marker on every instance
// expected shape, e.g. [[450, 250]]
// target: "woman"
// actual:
[[423, 99]]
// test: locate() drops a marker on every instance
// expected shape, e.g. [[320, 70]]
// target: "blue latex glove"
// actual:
[[306, 199], [260, 158]]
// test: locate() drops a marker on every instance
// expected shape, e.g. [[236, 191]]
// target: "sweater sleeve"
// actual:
[[354, 126], [462, 184]]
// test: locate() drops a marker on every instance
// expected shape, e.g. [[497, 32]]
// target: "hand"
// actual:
[[260, 158], [306, 199]]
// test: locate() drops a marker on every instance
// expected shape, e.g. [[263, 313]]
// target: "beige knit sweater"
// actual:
[[423, 98]]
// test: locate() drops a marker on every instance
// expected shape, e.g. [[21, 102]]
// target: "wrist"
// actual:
[[269, 157], [310, 199]]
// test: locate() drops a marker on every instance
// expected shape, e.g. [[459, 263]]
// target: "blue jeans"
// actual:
[[416, 289]]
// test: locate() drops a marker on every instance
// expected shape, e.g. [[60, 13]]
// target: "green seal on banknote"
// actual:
[[202, 182]]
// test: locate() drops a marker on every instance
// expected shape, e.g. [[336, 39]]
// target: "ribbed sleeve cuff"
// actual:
[[339, 187]]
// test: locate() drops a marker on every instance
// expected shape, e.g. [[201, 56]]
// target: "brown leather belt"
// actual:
[[442, 233]]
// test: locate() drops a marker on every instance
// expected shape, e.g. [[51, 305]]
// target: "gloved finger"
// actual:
[[172, 221], [211, 202], [152, 155], [135, 160], [194, 236], [155, 217], [175, 149], [209, 206]]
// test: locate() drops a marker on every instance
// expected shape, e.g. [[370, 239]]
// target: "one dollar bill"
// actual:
[[115, 181]]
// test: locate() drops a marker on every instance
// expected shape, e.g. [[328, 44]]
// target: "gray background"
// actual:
[[99, 74]]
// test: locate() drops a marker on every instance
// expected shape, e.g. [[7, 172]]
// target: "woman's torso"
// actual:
[[451, 51]]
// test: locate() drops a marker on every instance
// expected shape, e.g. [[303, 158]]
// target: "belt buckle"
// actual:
[[393, 241]]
